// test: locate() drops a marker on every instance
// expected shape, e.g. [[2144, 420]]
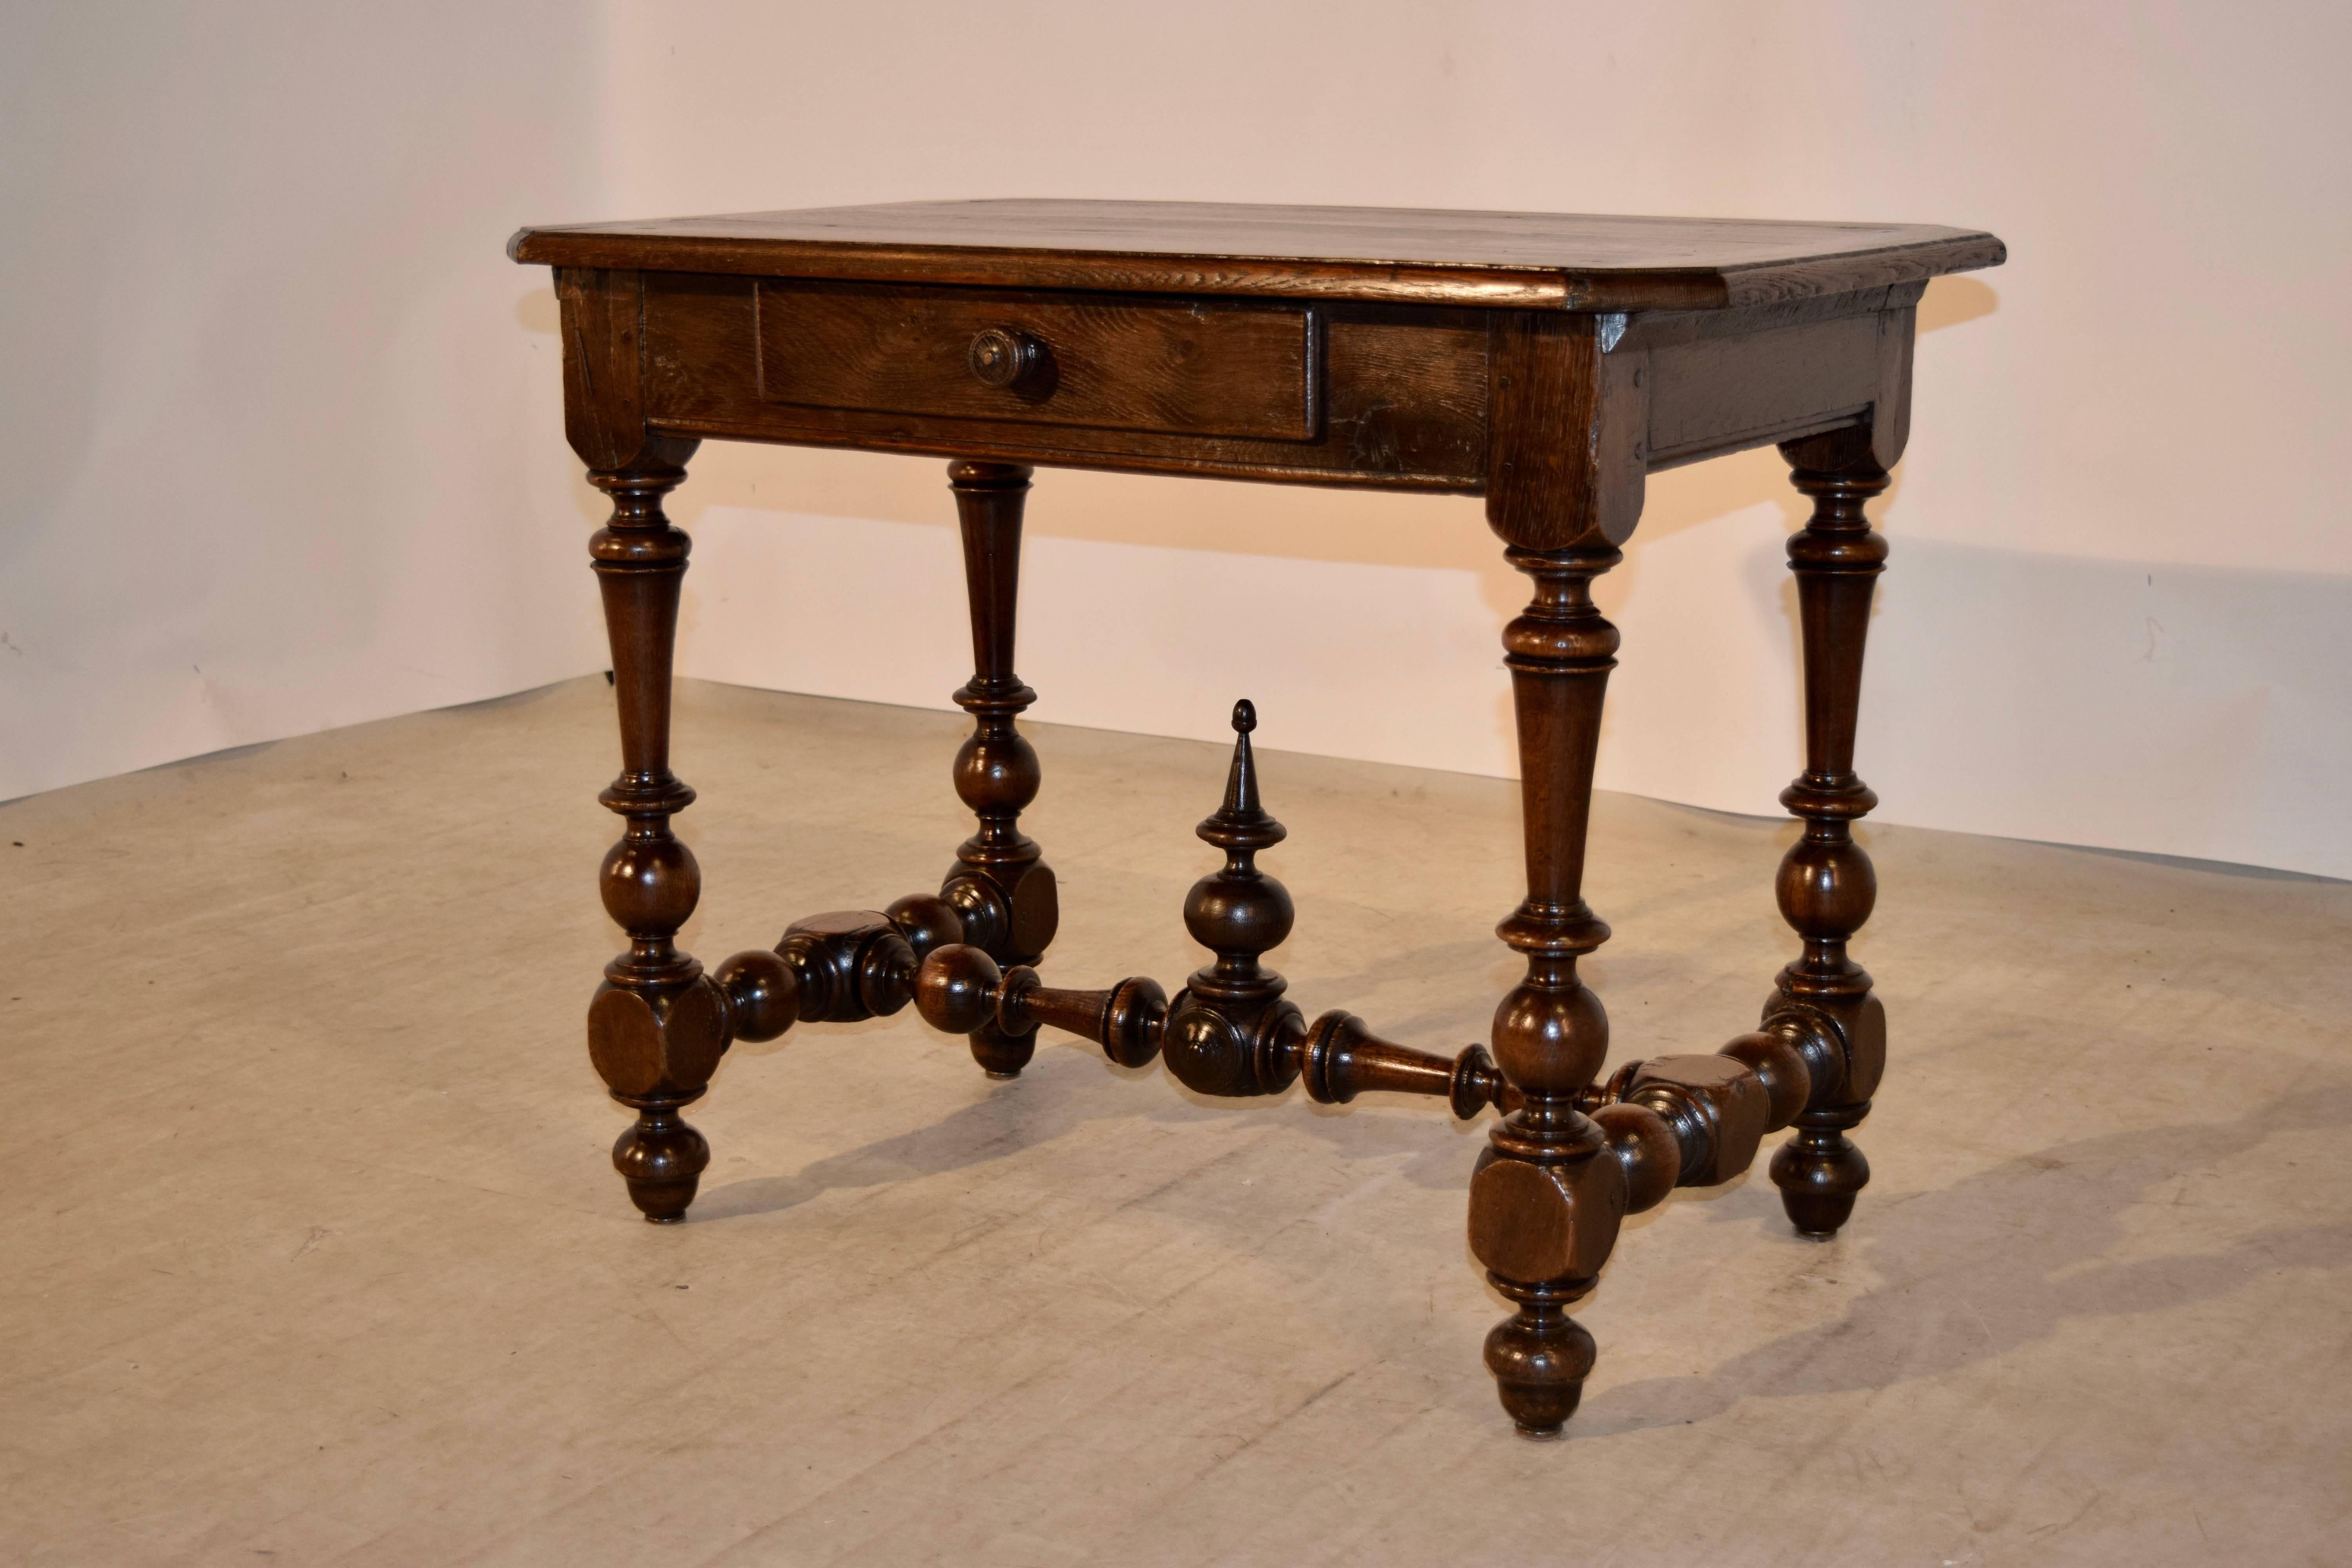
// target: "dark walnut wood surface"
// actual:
[[1511, 261], [1548, 363]]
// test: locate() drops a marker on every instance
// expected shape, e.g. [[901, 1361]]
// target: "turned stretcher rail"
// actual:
[[1667, 1122]]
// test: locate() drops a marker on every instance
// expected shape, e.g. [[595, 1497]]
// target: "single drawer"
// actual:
[[1193, 368]]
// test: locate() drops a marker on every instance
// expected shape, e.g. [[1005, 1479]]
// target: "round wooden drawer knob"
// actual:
[[1006, 357]]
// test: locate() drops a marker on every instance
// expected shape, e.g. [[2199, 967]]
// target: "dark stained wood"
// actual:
[[1126, 1020], [1400, 398], [1231, 1030], [1564, 456], [1377, 255], [1180, 368], [762, 994], [1782, 1070], [604, 416], [1717, 1108], [1647, 1151], [1545, 1199], [658, 1025], [1342, 1058], [960, 990], [1729, 380], [1005, 893], [1826, 887], [848, 966], [1548, 363]]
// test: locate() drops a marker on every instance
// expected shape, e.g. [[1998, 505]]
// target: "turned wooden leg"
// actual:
[[1544, 1204], [1004, 894], [658, 1024], [1826, 886]]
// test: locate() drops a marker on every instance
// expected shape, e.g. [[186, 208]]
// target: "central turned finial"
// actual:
[[1241, 826], [1229, 1031]]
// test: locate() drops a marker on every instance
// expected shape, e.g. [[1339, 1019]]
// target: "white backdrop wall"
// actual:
[[279, 424], [2119, 611]]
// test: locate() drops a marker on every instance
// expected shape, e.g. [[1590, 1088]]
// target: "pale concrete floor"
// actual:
[[314, 1254]]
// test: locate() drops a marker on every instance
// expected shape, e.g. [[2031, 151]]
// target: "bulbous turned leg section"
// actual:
[[1820, 1171], [661, 1157], [1540, 1357]]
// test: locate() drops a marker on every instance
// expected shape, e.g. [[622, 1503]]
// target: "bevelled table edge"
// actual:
[[1594, 290]]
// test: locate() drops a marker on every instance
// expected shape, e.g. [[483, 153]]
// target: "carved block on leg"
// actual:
[[1548, 1212], [1715, 1107], [849, 965], [1543, 1217], [655, 1050]]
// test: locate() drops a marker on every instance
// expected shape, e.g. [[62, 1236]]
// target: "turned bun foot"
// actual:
[[661, 1158], [1820, 1171], [1000, 1054], [1540, 1357]]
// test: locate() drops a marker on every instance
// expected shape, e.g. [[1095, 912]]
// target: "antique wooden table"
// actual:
[[1548, 363]]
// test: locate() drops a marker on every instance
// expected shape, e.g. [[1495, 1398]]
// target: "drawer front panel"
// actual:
[[1179, 368]]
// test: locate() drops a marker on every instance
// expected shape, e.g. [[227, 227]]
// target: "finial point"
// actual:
[[1244, 717]]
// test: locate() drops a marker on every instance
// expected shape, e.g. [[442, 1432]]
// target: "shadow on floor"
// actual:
[[1969, 1272], [1042, 1105], [1998, 1261]]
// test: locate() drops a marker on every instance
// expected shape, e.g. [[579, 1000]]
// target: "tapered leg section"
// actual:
[[1547, 1198], [1826, 886], [1004, 892], [658, 1024]]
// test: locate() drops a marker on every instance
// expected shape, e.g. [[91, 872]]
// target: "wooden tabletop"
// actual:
[[1425, 255]]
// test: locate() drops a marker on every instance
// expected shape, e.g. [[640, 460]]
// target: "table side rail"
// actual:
[[1723, 382]]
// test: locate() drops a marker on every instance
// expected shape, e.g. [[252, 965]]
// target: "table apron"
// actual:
[[1371, 396]]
